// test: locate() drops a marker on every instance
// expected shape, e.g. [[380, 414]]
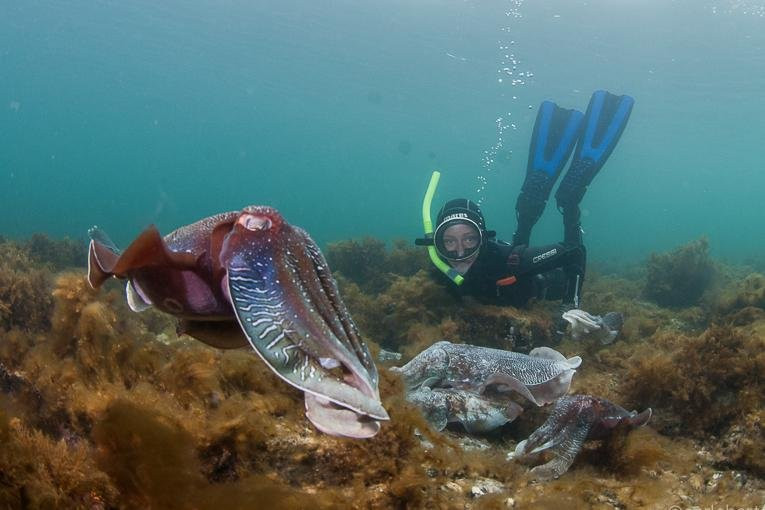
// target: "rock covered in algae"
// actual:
[[368, 263], [25, 286], [745, 293], [680, 277]]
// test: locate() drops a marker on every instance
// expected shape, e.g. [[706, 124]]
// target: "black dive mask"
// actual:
[[470, 241]]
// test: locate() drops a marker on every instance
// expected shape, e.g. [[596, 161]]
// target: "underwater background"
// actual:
[[129, 113]]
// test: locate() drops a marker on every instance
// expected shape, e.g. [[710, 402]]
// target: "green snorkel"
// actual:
[[427, 223]]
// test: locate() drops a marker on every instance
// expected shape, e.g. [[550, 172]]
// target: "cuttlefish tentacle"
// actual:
[[333, 310], [564, 453], [428, 368], [573, 420]]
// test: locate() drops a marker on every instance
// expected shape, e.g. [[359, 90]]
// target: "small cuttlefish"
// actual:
[[585, 325], [573, 420]]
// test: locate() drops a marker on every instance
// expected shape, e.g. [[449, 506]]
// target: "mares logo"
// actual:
[[545, 255], [456, 216]]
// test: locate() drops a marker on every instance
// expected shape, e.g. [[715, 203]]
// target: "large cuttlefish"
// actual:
[[471, 384], [249, 277]]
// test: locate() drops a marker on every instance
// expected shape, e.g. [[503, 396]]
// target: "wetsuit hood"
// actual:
[[461, 208]]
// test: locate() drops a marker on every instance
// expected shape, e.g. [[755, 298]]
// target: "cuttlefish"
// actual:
[[585, 325], [477, 413], [573, 420], [249, 277], [541, 376]]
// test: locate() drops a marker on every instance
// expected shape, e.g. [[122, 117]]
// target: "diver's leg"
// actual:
[[574, 268], [604, 122], [555, 133], [572, 226]]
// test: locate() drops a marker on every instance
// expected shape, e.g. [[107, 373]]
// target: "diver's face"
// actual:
[[461, 239]]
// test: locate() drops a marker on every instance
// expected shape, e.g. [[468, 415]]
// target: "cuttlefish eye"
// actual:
[[254, 222]]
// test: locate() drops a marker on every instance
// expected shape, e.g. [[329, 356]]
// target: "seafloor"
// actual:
[[104, 408]]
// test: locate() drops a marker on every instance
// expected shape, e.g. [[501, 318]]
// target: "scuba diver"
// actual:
[[498, 272]]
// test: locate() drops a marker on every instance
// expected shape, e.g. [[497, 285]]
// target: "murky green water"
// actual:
[[127, 113]]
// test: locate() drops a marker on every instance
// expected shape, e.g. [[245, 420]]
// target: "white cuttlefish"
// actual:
[[585, 325]]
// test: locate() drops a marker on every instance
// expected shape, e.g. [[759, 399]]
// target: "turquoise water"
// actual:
[[135, 112]]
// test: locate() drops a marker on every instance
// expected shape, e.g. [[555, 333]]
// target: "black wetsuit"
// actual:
[[554, 272]]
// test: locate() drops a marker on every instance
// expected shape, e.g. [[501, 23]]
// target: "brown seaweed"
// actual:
[[58, 254], [372, 267], [104, 408], [25, 301]]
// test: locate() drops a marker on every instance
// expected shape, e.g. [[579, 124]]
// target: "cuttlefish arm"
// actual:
[[290, 312], [573, 420], [428, 368]]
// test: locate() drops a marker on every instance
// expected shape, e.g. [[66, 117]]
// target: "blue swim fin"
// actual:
[[605, 120], [556, 131]]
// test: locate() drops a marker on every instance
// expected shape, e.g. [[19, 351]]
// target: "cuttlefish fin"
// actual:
[[559, 385], [507, 382], [549, 353], [136, 301], [148, 249], [553, 389], [102, 253], [96, 234]]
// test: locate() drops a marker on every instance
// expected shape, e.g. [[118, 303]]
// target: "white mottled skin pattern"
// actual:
[[472, 367], [477, 413]]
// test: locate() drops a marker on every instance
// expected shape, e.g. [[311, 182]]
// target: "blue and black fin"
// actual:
[[605, 120], [556, 131]]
